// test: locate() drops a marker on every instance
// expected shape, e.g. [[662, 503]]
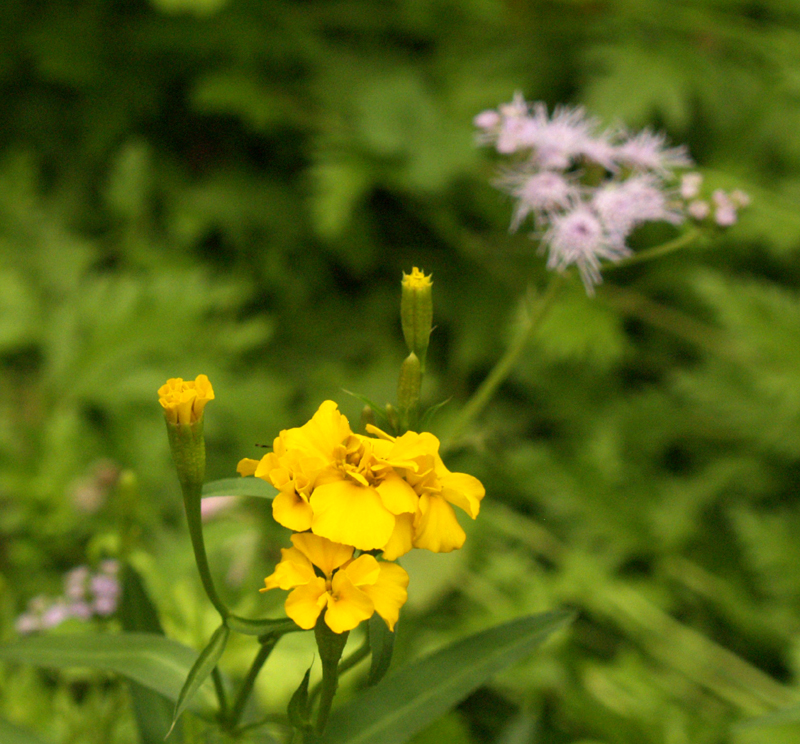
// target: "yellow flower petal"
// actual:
[[304, 604], [436, 527], [363, 570], [388, 593], [347, 605], [463, 490], [351, 514], [397, 496], [247, 466], [184, 400], [323, 553], [294, 570], [402, 537], [292, 511], [321, 436]]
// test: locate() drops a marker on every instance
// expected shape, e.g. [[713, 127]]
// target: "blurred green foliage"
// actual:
[[234, 186]]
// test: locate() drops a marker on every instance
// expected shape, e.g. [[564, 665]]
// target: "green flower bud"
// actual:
[[416, 313], [408, 390]]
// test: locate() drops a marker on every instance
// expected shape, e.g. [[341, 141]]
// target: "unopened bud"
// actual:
[[408, 389], [416, 312], [367, 417]]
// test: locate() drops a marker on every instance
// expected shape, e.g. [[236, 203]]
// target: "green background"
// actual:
[[234, 187]]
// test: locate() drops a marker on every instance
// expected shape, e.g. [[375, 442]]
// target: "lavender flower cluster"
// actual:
[[86, 595], [586, 189]]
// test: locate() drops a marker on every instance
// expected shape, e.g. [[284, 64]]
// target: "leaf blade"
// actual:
[[397, 708]]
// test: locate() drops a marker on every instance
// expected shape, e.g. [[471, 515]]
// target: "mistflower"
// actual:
[[374, 493], [647, 151], [578, 238], [541, 195], [349, 590], [184, 400]]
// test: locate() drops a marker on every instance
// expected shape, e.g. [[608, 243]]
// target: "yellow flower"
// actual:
[[351, 590], [383, 493], [184, 400]]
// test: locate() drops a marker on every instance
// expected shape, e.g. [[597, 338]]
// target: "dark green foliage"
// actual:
[[234, 187]]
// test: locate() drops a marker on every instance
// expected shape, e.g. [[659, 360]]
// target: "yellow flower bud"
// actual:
[[416, 312], [184, 400]]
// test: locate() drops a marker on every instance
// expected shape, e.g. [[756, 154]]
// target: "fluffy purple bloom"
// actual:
[[578, 238], [27, 623], [541, 194], [75, 582], [622, 206], [648, 151]]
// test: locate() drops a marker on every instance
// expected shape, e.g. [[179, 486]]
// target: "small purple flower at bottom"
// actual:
[[578, 238]]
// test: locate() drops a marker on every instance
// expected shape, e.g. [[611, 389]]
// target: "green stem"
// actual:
[[330, 647], [191, 501], [247, 685], [506, 363], [656, 252], [356, 657], [222, 698]]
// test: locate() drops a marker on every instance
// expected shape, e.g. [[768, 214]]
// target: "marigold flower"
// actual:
[[350, 591], [184, 400], [384, 493]]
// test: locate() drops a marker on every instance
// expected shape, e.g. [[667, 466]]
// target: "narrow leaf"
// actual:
[[410, 699], [138, 614], [298, 705], [427, 417], [248, 486], [198, 674], [269, 626], [11, 734], [376, 409], [154, 661], [776, 718], [381, 643]]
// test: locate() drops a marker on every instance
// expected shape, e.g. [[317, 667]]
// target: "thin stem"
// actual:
[[247, 685], [191, 503], [506, 363], [656, 252], [356, 657], [222, 698]]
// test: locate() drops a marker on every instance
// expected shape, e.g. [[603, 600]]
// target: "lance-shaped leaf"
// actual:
[[138, 614], [11, 734], [298, 705], [199, 672], [240, 487], [381, 644], [268, 626], [150, 659], [408, 700]]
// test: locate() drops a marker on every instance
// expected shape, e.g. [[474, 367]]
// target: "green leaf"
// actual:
[[153, 712], [204, 665], [376, 409], [427, 417], [408, 700], [776, 718], [240, 487], [10, 734], [268, 626], [298, 705], [381, 643], [150, 659]]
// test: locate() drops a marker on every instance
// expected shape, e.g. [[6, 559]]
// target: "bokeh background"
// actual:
[[233, 187]]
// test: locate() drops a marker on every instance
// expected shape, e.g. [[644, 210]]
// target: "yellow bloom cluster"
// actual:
[[374, 493], [350, 591], [184, 400], [344, 491]]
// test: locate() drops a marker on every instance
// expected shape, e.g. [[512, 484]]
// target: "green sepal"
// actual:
[[240, 487], [246, 626], [201, 669], [297, 709], [188, 452], [381, 643]]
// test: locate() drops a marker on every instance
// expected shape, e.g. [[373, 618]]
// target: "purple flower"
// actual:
[[28, 623], [75, 583], [55, 614], [578, 238], [542, 195], [698, 210], [80, 610], [622, 206], [647, 151]]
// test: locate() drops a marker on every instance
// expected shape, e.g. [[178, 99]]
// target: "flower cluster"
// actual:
[[86, 595], [586, 189], [378, 493]]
